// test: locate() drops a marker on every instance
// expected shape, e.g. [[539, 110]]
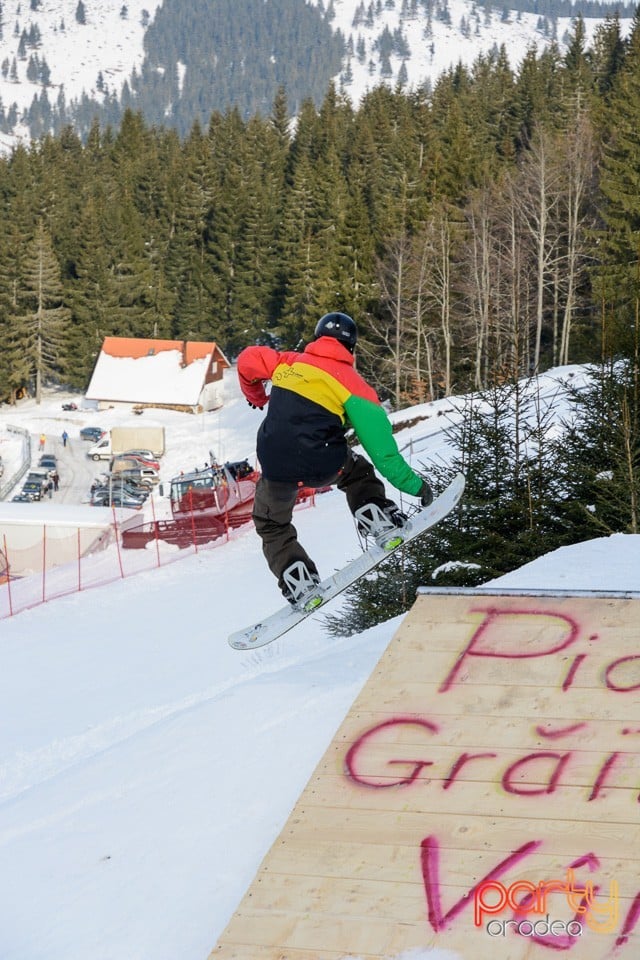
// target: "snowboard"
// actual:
[[274, 626]]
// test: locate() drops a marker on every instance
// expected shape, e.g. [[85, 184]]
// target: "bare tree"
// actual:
[[390, 348], [479, 274], [536, 199], [439, 241]]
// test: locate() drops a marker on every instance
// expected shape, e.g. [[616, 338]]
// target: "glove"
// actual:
[[426, 494], [254, 406]]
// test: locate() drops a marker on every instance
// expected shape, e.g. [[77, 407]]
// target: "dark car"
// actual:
[[48, 462], [91, 433], [69, 406], [120, 486], [32, 490], [103, 498], [40, 475]]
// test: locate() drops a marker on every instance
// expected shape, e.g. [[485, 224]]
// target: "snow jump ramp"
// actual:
[[481, 798]]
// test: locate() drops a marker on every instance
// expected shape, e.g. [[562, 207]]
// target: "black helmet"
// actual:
[[340, 326]]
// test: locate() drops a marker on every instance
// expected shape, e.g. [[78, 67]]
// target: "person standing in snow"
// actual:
[[315, 397]]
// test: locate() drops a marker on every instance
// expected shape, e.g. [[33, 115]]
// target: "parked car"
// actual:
[[32, 490], [39, 475], [21, 498], [48, 462], [144, 456], [119, 485], [129, 466], [115, 498], [91, 433], [69, 406]]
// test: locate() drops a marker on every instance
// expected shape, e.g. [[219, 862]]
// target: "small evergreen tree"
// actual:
[[507, 517], [598, 458]]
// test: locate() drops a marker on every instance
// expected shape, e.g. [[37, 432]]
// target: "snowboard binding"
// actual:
[[384, 525], [299, 587]]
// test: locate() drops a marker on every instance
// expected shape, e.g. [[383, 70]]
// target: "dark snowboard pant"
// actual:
[[273, 509]]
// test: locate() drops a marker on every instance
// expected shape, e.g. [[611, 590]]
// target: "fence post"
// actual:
[[155, 527], [6, 556], [79, 564], [115, 527], [44, 562], [193, 520]]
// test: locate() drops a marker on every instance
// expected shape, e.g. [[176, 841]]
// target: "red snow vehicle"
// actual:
[[204, 505]]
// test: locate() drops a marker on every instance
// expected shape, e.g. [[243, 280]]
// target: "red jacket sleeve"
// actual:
[[255, 366]]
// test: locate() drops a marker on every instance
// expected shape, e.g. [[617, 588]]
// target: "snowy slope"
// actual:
[[145, 768], [109, 42], [434, 45], [109, 45]]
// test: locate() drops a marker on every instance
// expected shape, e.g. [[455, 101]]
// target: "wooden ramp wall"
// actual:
[[496, 743]]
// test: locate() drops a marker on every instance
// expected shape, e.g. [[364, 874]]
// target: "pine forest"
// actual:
[[484, 230]]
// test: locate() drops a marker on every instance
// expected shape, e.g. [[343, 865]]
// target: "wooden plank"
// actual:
[[567, 803], [402, 865], [477, 700], [312, 937], [386, 763], [498, 737], [477, 730], [533, 672], [467, 833]]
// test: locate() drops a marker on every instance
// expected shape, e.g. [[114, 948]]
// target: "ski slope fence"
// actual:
[[8, 483], [480, 798], [68, 559]]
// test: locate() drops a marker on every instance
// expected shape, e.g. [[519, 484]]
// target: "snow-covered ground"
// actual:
[[145, 767], [109, 42]]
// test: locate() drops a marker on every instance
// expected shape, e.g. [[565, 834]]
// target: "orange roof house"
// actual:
[[163, 373]]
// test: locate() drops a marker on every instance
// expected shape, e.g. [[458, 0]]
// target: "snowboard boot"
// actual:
[[298, 585], [381, 521]]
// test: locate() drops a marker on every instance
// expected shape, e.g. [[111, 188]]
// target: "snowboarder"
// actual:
[[315, 396]]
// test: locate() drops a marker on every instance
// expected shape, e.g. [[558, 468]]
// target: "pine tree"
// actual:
[[619, 247], [598, 457], [87, 295], [607, 54], [42, 316], [188, 268], [509, 513]]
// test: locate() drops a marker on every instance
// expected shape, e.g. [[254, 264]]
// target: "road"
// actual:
[[75, 469]]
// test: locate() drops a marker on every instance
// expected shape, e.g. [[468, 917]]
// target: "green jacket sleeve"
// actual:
[[373, 429]]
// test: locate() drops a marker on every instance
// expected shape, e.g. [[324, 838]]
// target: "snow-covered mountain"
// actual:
[[71, 47], [69, 44], [426, 46]]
